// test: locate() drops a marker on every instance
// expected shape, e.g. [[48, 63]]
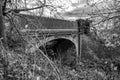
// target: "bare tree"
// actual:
[[1, 20], [8, 9], [105, 16]]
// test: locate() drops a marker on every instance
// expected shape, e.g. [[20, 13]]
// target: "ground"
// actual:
[[37, 66]]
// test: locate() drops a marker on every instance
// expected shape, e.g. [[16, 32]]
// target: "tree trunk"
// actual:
[[2, 35], [2, 26], [1, 21]]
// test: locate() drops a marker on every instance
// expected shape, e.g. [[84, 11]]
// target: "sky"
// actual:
[[81, 9], [70, 8], [73, 4], [73, 8]]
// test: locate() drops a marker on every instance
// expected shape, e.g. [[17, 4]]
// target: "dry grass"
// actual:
[[30, 63]]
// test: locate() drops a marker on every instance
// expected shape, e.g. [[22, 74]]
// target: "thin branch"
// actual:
[[4, 6], [27, 9], [44, 2], [111, 12], [106, 19]]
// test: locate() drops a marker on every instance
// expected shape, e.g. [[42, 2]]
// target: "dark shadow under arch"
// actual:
[[61, 49]]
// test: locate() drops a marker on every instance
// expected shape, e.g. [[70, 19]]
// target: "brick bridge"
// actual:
[[55, 31]]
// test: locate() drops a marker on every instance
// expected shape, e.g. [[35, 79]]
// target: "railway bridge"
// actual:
[[56, 34]]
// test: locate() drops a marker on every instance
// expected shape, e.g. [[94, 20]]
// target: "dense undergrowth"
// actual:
[[30, 63], [22, 65]]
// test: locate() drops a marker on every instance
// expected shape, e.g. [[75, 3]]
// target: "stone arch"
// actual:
[[61, 49], [47, 39]]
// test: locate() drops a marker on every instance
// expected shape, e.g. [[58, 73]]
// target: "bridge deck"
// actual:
[[50, 31]]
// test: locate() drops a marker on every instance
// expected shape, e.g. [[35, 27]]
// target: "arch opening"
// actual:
[[62, 50]]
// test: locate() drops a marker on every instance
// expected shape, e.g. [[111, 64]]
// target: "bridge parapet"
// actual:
[[50, 31], [52, 25]]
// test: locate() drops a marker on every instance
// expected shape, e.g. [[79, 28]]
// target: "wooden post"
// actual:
[[79, 22], [79, 54], [80, 47]]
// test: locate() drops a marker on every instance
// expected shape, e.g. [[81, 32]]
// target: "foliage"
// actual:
[[23, 60], [105, 16]]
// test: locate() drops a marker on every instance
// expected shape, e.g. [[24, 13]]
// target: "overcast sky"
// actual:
[[80, 9], [71, 8], [74, 8]]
